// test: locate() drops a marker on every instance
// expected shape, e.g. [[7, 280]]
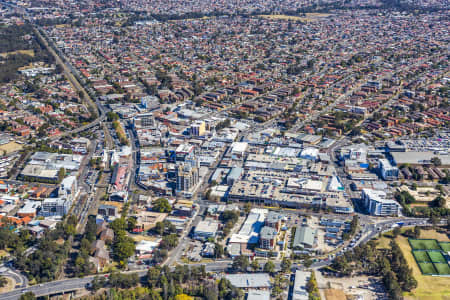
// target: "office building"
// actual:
[[268, 238], [377, 204], [187, 177], [387, 171], [198, 128], [55, 207]]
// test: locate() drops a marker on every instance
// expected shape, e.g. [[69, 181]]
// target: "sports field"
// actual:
[[445, 246], [436, 257], [421, 256], [442, 269], [427, 268], [429, 287], [424, 244]]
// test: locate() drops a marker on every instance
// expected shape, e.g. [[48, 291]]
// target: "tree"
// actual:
[[183, 297], [230, 216], [61, 174], [112, 116], [396, 231], [254, 265], [247, 207], [312, 288], [98, 282], [28, 296], [269, 267], [240, 263], [417, 232], [131, 223], [162, 205], [436, 161], [286, 264], [123, 281], [123, 247], [439, 201], [159, 228], [169, 241], [218, 250], [434, 220], [3, 281]]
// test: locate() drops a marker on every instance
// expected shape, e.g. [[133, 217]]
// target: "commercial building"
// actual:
[[267, 238], [249, 232], [377, 204], [258, 295], [387, 171], [144, 121], [304, 237], [29, 209], [146, 220], [354, 152], [119, 183], [55, 207], [44, 166], [183, 151], [419, 158], [249, 281], [238, 149], [206, 229], [310, 153], [150, 102], [234, 175], [187, 177], [274, 220], [198, 128], [68, 188], [107, 210], [299, 291]]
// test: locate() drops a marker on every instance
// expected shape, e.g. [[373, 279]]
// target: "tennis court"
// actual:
[[436, 257], [424, 244], [445, 246], [421, 256], [427, 268], [443, 269]]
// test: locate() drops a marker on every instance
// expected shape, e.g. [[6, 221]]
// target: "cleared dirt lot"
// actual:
[[370, 288], [10, 147], [310, 17]]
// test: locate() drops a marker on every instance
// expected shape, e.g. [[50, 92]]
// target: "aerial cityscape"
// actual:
[[218, 150]]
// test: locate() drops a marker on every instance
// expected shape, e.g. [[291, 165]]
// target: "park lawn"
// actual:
[[436, 257], [9, 286], [421, 256], [445, 246], [433, 234], [26, 52], [428, 287], [3, 253], [424, 244], [443, 269], [383, 241]]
